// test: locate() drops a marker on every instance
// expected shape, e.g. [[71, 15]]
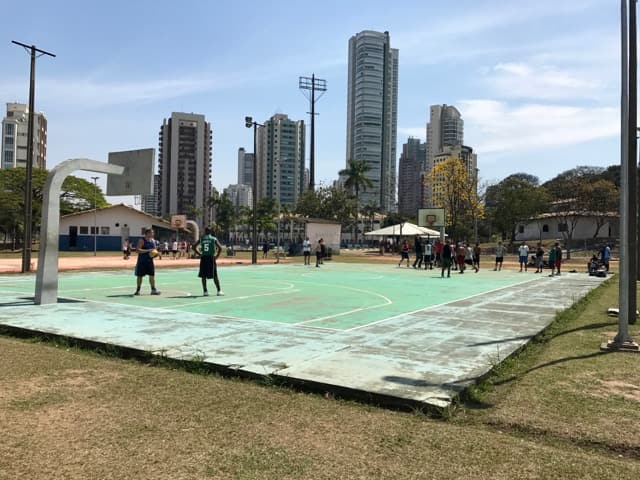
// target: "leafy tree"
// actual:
[[356, 179], [516, 198], [601, 197], [456, 191], [329, 203], [77, 194], [571, 193]]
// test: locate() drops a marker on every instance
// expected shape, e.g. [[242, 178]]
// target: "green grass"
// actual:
[[559, 409]]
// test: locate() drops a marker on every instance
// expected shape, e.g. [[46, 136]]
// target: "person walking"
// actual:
[[606, 257], [523, 255], [319, 253], [476, 257], [126, 249], [558, 249], [209, 252], [539, 258], [499, 256], [446, 259], [552, 260], [144, 264], [418, 250], [404, 253]]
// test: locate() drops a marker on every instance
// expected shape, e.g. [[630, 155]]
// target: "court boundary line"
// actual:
[[442, 304]]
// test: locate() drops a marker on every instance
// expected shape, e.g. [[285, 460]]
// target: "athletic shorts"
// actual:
[[446, 262], [207, 267], [404, 255], [145, 268], [499, 259], [523, 259]]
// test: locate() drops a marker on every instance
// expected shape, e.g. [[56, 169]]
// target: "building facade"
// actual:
[[410, 173], [469, 160], [149, 203], [240, 195], [245, 167], [15, 126], [184, 162], [372, 111], [280, 160]]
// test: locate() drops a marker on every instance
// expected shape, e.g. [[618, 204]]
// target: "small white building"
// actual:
[[109, 227], [551, 226]]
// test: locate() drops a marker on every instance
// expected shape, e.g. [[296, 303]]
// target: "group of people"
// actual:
[[441, 254], [461, 255], [176, 249], [207, 247], [320, 250]]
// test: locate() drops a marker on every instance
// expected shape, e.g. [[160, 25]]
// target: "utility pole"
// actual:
[[314, 84], [248, 122], [28, 189], [95, 215]]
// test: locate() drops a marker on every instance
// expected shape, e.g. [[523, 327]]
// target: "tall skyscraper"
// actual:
[[372, 111], [245, 167], [14, 137], [184, 161], [410, 170], [445, 129], [149, 202], [280, 160], [466, 156]]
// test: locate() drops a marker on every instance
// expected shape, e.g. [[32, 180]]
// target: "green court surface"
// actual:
[[334, 296]]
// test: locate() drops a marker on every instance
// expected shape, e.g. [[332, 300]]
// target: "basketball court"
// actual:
[[390, 335]]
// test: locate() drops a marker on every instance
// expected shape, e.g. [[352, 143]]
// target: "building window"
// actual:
[[104, 230], [84, 230], [545, 228], [9, 129]]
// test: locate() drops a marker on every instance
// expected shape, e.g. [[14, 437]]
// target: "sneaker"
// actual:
[[220, 293], [155, 292], [205, 294]]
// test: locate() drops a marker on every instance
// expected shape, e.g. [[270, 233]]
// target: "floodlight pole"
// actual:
[[627, 300], [248, 122], [95, 215], [314, 84], [28, 189]]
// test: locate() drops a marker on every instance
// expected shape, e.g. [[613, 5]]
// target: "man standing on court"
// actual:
[[446, 259], [499, 256], [209, 251], [523, 255], [144, 265], [306, 250]]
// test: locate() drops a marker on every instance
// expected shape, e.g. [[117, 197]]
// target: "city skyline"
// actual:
[[537, 84]]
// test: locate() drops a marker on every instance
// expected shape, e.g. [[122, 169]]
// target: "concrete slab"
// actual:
[[422, 357]]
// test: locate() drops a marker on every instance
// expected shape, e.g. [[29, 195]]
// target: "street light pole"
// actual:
[[28, 189], [248, 122], [95, 215]]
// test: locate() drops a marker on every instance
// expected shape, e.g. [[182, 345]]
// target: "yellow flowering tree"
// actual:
[[454, 188]]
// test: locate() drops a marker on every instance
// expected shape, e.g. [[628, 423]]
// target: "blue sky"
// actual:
[[537, 83]]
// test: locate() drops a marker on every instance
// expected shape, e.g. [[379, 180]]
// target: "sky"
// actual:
[[537, 82]]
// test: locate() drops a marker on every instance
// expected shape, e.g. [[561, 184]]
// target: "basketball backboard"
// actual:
[[137, 178], [431, 217]]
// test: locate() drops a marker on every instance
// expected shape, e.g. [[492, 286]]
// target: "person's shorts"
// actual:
[[145, 268], [404, 255], [523, 259], [446, 262], [468, 261], [499, 259], [207, 267], [558, 263]]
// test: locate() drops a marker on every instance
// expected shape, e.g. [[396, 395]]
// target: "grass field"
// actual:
[[560, 409]]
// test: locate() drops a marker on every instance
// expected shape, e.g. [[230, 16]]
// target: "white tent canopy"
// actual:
[[403, 229]]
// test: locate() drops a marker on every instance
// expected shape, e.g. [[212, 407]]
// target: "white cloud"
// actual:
[[498, 127], [521, 80]]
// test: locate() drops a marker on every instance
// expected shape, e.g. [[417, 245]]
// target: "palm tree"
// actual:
[[356, 179]]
